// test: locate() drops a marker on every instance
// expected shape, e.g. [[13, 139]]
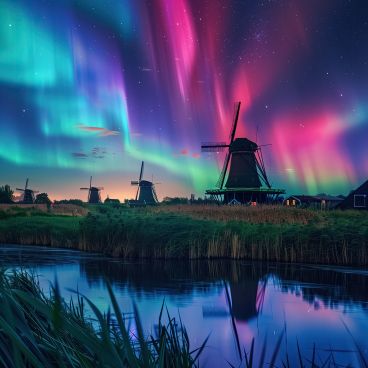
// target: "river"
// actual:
[[231, 301]]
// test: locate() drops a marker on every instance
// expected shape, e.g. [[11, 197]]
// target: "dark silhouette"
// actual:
[[247, 171], [6, 194]]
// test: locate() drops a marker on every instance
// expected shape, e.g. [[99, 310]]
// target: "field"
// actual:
[[268, 233]]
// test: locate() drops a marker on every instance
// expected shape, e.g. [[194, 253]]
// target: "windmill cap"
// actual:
[[243, 144], [145, 183]]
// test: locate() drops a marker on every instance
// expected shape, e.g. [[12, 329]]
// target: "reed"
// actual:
[[44, 331], [271, 214], [202, 232]]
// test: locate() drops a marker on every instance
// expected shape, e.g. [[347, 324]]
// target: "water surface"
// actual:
[[232, 301]]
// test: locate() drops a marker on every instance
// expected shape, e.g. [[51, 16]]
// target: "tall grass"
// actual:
[[203, 232], [44, 331], [260, 214], [39, 330]]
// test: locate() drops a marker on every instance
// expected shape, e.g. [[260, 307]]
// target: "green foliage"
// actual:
[[43, 198], [112, 202], [6, 194], [44, 331], [76, 202], [315, 237], [175, 200]]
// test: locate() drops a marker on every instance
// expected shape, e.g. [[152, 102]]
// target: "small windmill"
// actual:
[[247, 171], [28, 194], [146, 193], [93, 193]]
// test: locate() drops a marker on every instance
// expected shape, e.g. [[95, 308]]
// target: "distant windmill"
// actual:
[[93, 193], [247, 171], [146, 193], [28, 194]]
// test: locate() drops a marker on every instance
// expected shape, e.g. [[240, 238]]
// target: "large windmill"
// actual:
[[146, 193], [246, 180], [93, 193], [28, 194]]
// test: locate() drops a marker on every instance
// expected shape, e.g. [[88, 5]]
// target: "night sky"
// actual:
[[92, 87]]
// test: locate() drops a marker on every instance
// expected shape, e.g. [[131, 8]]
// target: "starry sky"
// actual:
[[92, 87]]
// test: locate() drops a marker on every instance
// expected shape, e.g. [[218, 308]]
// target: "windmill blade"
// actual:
[[136, 196], [235, 123], [154, 194], [19, 190], [84, 188], [90, 182], [220, 182], [261, 168], [26, 187], [134, 182], [213, 146], [141, 174]]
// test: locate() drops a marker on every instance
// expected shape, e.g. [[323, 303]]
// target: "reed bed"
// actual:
[[260, 214], [44, 331], [338, 238]]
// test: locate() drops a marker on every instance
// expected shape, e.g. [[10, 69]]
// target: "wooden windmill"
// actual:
[[246, 180], [93, 193], [146, 193], [28, 196]]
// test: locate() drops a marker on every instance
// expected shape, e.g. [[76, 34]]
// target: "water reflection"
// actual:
[[234, 301]]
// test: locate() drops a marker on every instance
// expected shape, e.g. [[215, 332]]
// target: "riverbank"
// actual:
[[268, 233]]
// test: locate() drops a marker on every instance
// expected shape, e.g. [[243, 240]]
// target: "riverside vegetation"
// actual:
[[44, 331], [269, 233], [39, 330]]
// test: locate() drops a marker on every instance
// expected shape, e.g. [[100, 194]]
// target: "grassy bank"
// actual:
[[44, 331], [263, 233]]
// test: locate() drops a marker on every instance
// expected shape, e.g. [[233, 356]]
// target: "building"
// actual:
[[321, 202], [357, 199]]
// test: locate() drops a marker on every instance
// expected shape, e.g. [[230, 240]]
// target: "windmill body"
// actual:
[[243, 171], [146, 193], [28, 196], [245, 180]]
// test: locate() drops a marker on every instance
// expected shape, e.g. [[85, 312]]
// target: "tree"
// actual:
[[175, 200], [6, 194], [42, 198], [76, 202]]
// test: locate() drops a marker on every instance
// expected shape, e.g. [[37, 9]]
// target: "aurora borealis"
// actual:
[[92, 87]]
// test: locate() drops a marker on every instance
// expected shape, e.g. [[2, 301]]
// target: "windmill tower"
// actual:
[[246, 181], [146, 193], [28, 194], [93, 193]]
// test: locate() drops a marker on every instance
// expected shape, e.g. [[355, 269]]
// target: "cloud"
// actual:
[[108, 132], [79, 155], [102, 132], [186, 152]]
